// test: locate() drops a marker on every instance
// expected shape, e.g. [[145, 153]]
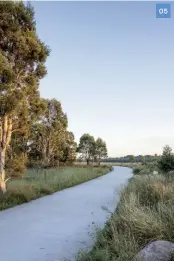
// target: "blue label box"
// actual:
[[163, 10]]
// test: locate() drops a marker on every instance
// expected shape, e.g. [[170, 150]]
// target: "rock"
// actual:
[[155, 172], [159, 250]]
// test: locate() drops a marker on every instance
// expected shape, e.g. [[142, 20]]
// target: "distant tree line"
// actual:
[[132, 158]]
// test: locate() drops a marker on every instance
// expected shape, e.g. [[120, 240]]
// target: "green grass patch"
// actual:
[[145, 213], [38, 183]]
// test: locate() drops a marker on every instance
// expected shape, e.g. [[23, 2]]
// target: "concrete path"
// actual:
[[56, 227]]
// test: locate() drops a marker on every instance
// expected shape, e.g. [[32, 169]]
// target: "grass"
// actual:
[[126, 164], [146, 169], [123, 164], [145, 213], [36, 184]]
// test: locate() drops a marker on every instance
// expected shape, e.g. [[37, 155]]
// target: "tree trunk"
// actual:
[[2, 171], [87, 161], [44, 156], [5, 138], [48, 151], [99, 159]]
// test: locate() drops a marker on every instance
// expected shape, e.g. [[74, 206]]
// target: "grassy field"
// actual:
[[36, 184], [145, 213], [130, 165]]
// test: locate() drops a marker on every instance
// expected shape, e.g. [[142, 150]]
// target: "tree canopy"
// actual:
[[50, 141], [33, 131], [166, 161], [22, 59], [100, 149], [90, 149], [87, 147]]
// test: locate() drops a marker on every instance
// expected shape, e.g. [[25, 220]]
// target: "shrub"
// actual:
[[145, 172], [137, 170], [146, 169], [166, 162], [16, 166]]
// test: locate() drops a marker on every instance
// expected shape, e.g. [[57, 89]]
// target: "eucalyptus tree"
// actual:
[[22, 59], [87, 147], [100, 149]]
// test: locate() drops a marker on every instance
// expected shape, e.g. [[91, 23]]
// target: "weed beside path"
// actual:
[[36, 184], [145, 213]]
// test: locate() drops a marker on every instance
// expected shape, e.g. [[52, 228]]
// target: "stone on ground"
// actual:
[[159, 250]]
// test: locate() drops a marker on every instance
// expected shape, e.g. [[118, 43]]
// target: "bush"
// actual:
[[146, 169], [16, 166], [137, 170], [166, 162]]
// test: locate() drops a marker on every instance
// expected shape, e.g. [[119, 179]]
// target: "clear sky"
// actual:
[[112, 68]]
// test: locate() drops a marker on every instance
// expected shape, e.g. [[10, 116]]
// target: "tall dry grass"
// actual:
[[145, 213], [38, 183]]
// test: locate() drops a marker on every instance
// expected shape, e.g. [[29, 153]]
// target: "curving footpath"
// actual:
[[56, 227]]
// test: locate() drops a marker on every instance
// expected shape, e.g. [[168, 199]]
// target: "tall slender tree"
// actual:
[[22, 58], [87, 147], [100, 149], [48, 135], [69, 149]]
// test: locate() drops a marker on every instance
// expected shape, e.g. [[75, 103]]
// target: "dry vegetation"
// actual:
[[145, 213], [37, 183]]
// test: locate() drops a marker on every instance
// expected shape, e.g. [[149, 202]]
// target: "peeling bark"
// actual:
[[5, 138]]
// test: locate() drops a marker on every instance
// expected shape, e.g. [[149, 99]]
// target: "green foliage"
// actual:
[[133, 159], [137, 170], [49, 140], [91, 149], [166, 162], [100, 149], [16, 166], [146, 169], [87, 147], [69, 149], [22, 59]]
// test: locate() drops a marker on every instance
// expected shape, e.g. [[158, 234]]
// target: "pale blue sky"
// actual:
[[112, 68]]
